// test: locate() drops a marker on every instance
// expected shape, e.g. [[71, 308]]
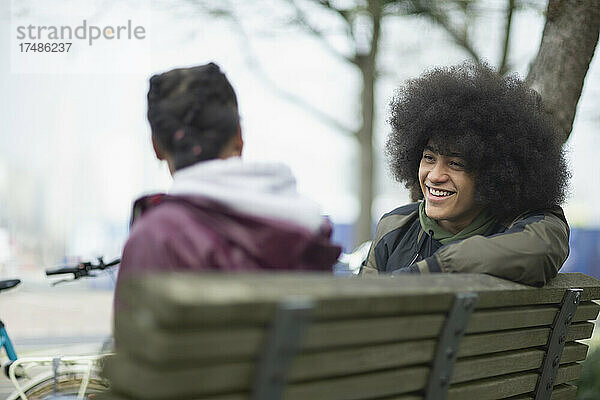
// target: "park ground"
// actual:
[[54, 321]]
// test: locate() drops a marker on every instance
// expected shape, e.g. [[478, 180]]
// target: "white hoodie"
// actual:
[[263, 189]]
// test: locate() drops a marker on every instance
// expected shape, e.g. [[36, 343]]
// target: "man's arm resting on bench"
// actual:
[[531, 251]]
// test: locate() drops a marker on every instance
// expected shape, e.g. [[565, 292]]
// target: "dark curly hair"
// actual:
[[498, 125], [193, 113]]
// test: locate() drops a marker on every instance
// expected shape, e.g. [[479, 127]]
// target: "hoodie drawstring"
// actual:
[[429, 244], [428, 248]]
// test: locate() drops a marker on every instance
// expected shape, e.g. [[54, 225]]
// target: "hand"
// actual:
[[412, 269]]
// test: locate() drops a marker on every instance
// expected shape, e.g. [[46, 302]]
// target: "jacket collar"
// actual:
[[479, 226]]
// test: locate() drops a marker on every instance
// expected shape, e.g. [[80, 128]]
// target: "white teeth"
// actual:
[[436, 192]]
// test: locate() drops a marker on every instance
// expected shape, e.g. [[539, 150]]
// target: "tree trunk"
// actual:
[[568, 43], [367, 65], [365, 141]]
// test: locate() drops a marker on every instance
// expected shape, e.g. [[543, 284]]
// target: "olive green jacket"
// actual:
[[529, 249]]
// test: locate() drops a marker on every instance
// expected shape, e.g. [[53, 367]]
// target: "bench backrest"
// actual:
[[298, 336]]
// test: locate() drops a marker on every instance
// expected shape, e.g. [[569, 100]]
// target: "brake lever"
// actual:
[[62, 281], [76, 275]]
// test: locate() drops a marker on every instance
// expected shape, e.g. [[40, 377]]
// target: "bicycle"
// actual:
[[73, 377]]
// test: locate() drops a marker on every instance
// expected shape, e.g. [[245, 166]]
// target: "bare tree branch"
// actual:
[[302, 20], [254, 64], [459, 37], [504, 67], [345, 14]]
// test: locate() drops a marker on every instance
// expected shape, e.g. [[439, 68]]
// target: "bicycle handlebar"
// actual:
[[62, 270], [82, 269]]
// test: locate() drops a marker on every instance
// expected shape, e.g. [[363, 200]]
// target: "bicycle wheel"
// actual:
[[67, 385]]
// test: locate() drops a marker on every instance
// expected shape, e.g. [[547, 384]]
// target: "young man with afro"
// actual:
[[487, 163]]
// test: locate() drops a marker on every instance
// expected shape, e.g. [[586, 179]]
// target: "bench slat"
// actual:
[[521, 317], [402, 355], [140, 382], [472, 345], [511, 361], [159, 345], [181, 300], [387, 383], [144, 381], [560, 392], [508, 385], [246, 341], [112, 395]]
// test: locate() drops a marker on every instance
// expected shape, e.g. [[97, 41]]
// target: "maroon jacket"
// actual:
[[196, 233]]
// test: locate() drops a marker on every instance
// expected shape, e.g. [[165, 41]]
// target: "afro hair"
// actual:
[[496, 123]]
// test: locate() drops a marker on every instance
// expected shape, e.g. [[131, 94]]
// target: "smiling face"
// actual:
[[448, 189]]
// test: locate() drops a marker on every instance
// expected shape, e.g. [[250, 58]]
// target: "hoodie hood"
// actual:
[[260, 189]]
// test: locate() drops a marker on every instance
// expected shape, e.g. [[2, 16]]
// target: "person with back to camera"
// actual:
[[221, 213], [486, 159]]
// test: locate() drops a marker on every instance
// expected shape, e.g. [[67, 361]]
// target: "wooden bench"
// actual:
[[311, 337]]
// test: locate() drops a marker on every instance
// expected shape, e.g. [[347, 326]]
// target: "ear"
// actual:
[[157, 150], [163, 156], [238, 142], [234, 147]]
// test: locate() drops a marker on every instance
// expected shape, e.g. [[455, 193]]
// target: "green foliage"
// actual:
[[589, 382]]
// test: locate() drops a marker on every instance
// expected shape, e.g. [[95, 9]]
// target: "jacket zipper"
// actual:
[[428, 251], [414, 259]]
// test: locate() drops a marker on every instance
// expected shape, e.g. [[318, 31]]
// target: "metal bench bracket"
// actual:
[[282, 342], [447, 347], [556, 343]]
